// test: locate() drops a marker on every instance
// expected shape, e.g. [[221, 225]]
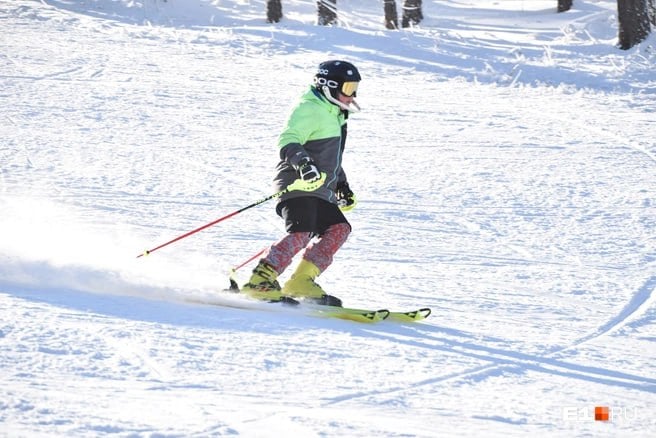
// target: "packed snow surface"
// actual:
[[504, 164]]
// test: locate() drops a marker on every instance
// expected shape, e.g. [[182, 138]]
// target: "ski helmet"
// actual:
[[337, 77]]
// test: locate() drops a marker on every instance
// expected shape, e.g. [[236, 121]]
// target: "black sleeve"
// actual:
[[293, 153]]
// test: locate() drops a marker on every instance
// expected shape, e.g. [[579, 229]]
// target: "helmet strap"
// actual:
[[353, 107]]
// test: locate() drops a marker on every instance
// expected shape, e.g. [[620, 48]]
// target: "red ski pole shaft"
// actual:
[[254, 204], [253, 257], [233, 272]]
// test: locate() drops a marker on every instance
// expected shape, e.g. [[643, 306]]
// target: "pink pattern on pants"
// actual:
[[281, 253], [320, 252]]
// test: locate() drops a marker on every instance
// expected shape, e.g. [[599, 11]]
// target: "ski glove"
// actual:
[[307, 170], [310, 177], [345, 197]]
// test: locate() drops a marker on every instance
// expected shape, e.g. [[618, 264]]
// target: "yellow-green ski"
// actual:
[[412, 316], [358, 315]]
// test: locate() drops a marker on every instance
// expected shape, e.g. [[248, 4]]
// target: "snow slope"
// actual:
[[504, 164]]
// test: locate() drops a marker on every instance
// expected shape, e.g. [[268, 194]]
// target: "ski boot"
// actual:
[[302, 285], [263, 284]]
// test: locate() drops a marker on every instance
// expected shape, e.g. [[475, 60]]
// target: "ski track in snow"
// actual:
[[503, 164], [504, 362]]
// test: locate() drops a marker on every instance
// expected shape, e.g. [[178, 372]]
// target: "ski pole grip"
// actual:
[[307, 186]]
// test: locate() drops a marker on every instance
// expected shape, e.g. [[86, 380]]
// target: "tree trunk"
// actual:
[[411, 13], [391, 15], [327, 11], [564, 5], [633, 17], [274, 11]]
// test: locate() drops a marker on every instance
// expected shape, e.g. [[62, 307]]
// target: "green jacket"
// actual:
[[316, 128]]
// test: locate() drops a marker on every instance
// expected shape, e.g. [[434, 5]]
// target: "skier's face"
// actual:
[[345, 99]]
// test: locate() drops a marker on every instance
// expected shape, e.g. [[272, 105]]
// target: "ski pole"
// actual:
[[253, 257], [254, 204], [299, 184], [233, 271]]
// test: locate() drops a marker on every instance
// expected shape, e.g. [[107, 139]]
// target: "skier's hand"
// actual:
[[310, 177], [345, 197], [307, 170]]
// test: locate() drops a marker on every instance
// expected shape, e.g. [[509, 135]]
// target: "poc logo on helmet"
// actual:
[[323, 71], [323, 81]]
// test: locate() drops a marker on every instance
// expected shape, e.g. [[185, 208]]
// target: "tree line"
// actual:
[[635, 17], [327, 12]]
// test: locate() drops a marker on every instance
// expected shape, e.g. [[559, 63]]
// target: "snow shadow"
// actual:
[[502, 360]]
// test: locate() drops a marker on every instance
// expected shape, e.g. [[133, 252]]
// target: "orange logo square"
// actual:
[[601, 413]]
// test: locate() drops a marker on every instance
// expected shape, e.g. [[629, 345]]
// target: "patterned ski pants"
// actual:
[[320, 252]]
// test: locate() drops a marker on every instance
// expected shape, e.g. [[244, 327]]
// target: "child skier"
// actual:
[[311, 147]]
